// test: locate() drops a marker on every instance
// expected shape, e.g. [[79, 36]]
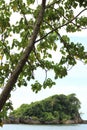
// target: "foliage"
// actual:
[[57, 107], [16, 37], [6, 109]]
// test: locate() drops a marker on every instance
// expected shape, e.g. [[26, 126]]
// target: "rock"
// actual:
[[69, 122], [12, 120], [28, 121]]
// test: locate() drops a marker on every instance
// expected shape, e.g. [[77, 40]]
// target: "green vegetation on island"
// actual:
[[57, 107]]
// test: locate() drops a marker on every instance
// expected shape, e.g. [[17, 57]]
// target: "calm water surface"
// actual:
[[44, 127]]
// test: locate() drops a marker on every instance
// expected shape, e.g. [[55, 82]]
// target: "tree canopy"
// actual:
[[30, 33], [57, 107]]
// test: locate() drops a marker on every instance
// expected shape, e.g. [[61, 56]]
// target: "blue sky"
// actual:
[[74, 82]]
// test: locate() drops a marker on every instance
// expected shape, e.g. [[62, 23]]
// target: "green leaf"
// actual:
[[30, 2], [60, 71], [65, 39], [48, 83], [36, 86], [71, 28]]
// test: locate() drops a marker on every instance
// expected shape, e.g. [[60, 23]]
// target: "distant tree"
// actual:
[[73, 105], [48, 116], [19, 112], [44, 111], [28, 43]]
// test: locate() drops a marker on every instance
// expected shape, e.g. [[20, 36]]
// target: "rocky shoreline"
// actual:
[[30, 121]]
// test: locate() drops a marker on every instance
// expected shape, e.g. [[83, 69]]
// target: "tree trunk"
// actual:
[[18, 69]]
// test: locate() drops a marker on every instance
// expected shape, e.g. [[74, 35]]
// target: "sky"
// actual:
[[74, 82]]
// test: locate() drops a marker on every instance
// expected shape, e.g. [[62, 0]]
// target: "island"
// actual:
[[56, 109]]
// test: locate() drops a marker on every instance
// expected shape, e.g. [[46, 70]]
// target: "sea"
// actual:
[[43, 127]]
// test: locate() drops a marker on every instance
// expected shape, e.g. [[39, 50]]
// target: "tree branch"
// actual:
[[60, 26], [64, 43], [78, 26], [16, 72]]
